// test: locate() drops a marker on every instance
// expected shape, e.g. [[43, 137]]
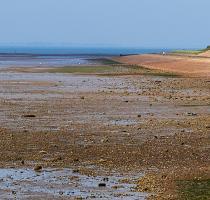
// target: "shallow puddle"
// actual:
[[123, 122], [65, 184]]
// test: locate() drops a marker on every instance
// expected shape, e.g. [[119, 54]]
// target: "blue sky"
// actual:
[[127, 23]]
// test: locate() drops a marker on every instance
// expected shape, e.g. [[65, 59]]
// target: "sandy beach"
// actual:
[[196, 66]]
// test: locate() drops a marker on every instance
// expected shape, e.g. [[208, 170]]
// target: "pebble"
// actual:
[[38, 168], [106, 179], [75, 171], [102, 185], [29, 116]]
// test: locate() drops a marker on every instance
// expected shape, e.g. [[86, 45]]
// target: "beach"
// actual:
[[136, 127], [191, 65]]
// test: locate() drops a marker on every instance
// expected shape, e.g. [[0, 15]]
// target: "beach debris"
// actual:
[[192, 114], [139, 115], [105, 140], [82, 97], [43, 152]]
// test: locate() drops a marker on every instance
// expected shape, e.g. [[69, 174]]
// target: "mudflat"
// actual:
[[104, 136]]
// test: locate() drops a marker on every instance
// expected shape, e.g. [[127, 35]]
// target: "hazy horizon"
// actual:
[[105, 23]]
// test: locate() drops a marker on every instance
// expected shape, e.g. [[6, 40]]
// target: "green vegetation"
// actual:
[[111, 70], [195, 105], [195, 52], [208, 47], [105, 61], [188, 51], [194, 189], [82, 69]]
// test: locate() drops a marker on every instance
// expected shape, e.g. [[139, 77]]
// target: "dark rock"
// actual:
[[106, 179], [158, 81], [75, 170], [29, 116], [102, 185]]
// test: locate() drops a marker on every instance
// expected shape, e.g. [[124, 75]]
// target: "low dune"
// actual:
[[205, 54], [190, 66]]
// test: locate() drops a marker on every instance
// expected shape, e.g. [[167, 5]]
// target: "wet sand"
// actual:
[[102, 126], [64, 184]]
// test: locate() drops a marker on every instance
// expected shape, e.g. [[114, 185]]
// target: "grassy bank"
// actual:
[[194, 52], [194, 189], [111, 70]]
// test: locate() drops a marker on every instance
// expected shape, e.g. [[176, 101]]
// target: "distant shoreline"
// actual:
[[77, 51]]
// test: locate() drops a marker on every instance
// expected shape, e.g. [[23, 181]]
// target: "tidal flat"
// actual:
[[132, 132]]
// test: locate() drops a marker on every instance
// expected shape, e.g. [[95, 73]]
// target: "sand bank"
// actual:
[[190, 66]]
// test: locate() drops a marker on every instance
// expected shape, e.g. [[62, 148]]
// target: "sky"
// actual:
[[106, 23]]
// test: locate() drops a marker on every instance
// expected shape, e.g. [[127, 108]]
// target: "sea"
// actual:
[[62, 56]]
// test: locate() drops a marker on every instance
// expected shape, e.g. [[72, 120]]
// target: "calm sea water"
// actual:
[[34, 56]]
